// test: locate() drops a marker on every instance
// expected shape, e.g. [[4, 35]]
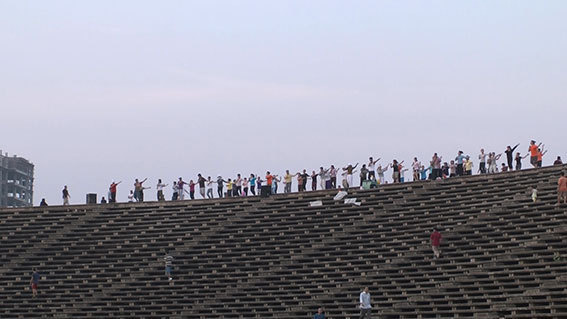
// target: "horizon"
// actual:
[[95, 92]]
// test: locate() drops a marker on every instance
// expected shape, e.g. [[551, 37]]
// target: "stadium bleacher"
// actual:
[[503, 256]]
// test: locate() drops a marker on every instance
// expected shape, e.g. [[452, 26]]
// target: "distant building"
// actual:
[[16, 181]]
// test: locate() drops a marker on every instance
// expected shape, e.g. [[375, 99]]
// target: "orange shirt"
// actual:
[[562, 184], [539, 156], [533, 150], [269, 180]]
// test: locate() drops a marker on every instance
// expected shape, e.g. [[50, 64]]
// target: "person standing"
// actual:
[[468, 165], [159, 187], [363, 174], [168, 260], [269, 179], [333, 174], [416, 166], [365, 306], [181, 189], [540, 154], [460, 158], [229, 187], [112, 189], [245, 183], [238, 186], [43, 202], [201, 181], [314, 181], [558, 161], [220, 185], [519, 159], [509, 155], [275, 184], [175, 193], [349, 170], [192, 189], [139, 190], [287, 180], [66, 196], [252, 180], [380, 171], [372, 167], [34, 282], [482, 158], [562, 189], [304, 177], [209, 184], [436, 242], [396, 171], [131, 197], [533, 149]]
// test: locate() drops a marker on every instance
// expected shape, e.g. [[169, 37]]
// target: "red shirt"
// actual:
[[269, 180], [113, 187], [436, 238]]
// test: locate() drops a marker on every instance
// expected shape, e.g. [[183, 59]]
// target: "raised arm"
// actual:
[[513, 148]]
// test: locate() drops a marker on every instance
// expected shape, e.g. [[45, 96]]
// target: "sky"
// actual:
[[98, 91]]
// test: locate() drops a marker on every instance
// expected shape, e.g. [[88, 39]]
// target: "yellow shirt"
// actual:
[[468, 165], [288, 178], [229, 186]]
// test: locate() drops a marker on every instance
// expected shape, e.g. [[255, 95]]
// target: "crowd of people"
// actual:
[[371, 174]]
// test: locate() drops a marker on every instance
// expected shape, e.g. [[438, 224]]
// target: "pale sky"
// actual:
[[96, 91]]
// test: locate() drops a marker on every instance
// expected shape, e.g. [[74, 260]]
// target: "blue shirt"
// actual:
[[252, 181], [319, 316], [365, 300], [460, 159], [35, 277]]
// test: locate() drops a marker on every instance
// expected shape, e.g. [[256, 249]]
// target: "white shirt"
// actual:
[[365, 300], [209, 184], [416, 166], [160, 187], [371, 166]]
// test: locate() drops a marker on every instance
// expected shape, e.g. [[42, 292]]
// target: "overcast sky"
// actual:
[[96, 91]]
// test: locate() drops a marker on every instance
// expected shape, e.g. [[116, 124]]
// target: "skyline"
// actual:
[[99, 91]]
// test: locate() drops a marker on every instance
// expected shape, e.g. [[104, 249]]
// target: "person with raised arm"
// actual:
[[139, 189], [323, 177], [159, 187], [209, 184], [220, 185], [288, 178], [313, 177], [509, 155], [372, 167], [112, 189], [540, 154], [380, 171], [349, 171], [533, 149], [519, 159], [415, 166], [482, 165], [333, 175]]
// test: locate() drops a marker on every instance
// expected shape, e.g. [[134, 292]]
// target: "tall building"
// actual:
[[16, 181]]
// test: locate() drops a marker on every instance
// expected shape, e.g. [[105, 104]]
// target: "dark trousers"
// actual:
[[174, 196], [219, 190], [334, 182], [160, 195], [459, 169], [113, 197], [482, 168], [253, 190], [364, 313], [192, 194]]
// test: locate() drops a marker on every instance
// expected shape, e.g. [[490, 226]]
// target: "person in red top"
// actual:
[[562, 189], [269, 179], [112, 188], [533, 153], [436, 242]]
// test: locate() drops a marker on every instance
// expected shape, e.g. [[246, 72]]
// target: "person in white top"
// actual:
[[209, 184], [482, 158], [245, 183], [159, 188], [371, 167], [365, 306], [131, 197], [416, 166]]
